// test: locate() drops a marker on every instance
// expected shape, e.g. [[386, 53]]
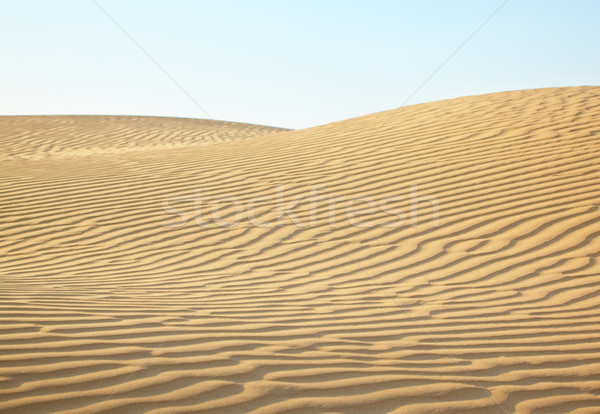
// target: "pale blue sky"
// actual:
[[291, 64]]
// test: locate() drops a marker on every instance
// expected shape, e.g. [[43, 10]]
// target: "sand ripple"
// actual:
[[495, 309]]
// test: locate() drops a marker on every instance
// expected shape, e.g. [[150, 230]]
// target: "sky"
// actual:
[[292, 64]]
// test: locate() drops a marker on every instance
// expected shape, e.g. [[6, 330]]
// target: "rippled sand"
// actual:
[[465, 280]]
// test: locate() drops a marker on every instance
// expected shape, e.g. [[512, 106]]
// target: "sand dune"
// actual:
[[133, 280]]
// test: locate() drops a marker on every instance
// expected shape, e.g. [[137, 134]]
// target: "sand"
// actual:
[[112, 304]]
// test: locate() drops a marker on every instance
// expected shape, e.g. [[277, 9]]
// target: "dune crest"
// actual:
[[146, 265], [55, 136]]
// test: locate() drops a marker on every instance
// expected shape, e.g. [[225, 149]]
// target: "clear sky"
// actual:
[[286, 63]]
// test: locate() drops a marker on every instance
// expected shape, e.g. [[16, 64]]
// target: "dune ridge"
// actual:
[[112, 304], [56, 136]]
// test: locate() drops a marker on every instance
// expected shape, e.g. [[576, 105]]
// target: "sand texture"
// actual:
[[112, 304]]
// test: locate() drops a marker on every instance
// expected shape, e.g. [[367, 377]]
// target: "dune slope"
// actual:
[[442, 257]]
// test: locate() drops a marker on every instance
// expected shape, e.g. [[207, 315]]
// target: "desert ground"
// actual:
[[440, 257]]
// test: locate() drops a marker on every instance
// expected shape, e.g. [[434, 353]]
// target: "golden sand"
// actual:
[[110, 304]]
